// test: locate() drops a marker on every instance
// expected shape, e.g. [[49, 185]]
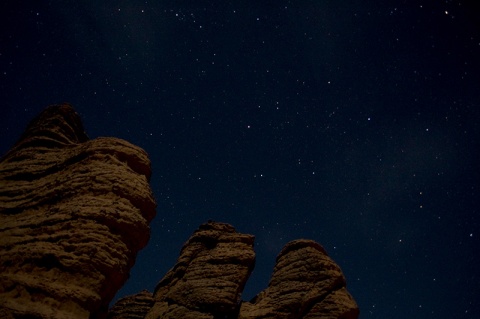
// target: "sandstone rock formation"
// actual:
[[213, 267], [305, 283], [74, 213], [132, 307], [209, 276]]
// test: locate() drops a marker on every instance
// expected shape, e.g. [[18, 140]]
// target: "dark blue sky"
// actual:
[[355, 124]]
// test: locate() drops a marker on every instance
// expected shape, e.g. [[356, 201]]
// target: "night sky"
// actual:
[[353, 123]]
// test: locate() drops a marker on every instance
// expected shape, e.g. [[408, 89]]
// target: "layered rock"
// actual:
[[209, 276], [212, 269], [132, 307], [74, 213], [305, 283]]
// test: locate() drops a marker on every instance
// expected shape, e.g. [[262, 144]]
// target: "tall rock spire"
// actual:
[[74, 213], [208, 279]]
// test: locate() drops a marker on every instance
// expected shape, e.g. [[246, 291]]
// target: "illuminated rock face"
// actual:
[[215, 263], [209, 276], [74, 213], [132, 307], [305, 283]]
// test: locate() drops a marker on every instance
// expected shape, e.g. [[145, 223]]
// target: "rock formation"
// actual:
[[74, 213], [305, 283], [215, 263], [209, 276]]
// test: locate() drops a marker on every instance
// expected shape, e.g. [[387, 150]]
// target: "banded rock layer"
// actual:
[[132, 307], [213, 267], [74, 213], [305, 283], [209, 276]]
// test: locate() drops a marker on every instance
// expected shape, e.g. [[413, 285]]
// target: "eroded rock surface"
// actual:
[[214, 265], [209, 276], [132, 307], [305, 283], [74, 213]]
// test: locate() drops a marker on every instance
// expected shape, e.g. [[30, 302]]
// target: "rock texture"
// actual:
[[73, 214], [209, 276], [132, 307], [214, 265], [305, 283]]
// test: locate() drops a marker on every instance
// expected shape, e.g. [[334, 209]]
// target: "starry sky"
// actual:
[[353, 123]]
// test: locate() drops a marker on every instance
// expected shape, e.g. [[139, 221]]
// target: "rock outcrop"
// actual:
[[74, 213], [214, 265], [209, 276]]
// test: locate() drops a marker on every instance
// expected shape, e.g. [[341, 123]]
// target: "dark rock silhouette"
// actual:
[[74, 213]]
